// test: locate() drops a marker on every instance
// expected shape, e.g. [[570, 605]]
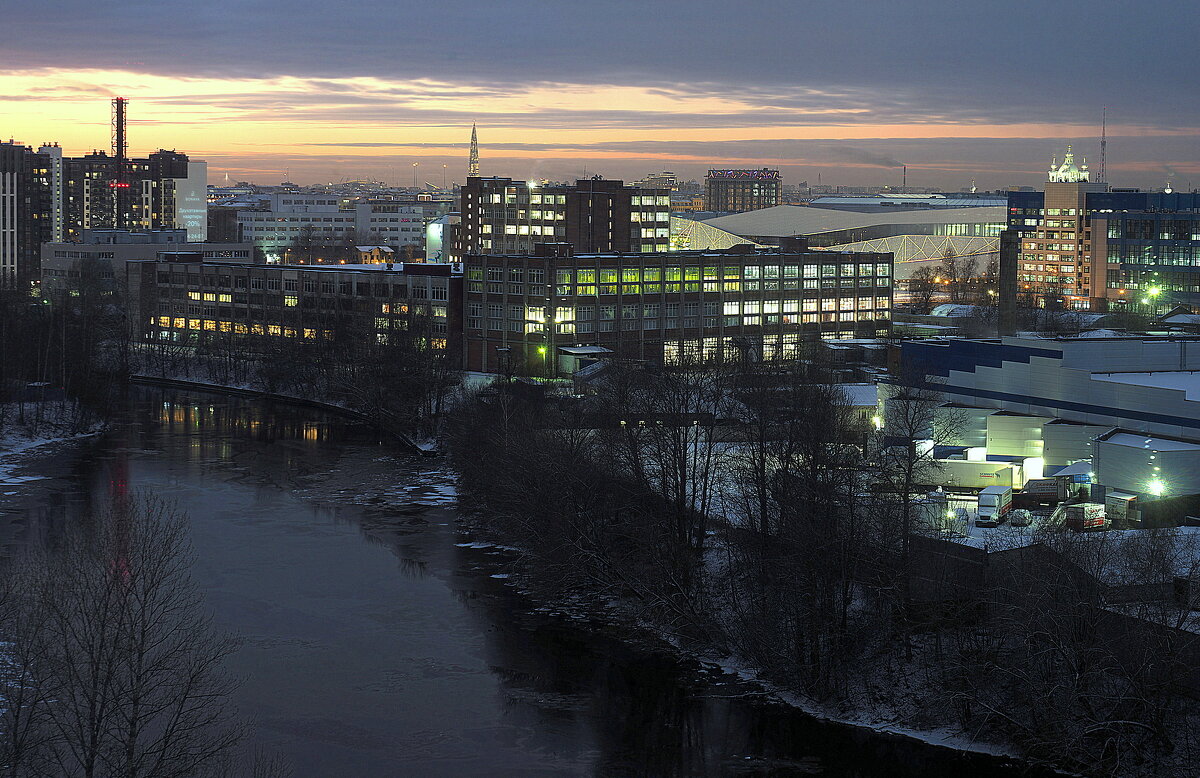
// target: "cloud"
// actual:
[[858, 86]]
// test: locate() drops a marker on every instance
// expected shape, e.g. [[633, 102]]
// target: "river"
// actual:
[[377, 640]]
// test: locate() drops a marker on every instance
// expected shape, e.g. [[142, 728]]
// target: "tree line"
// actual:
[[744, 508]]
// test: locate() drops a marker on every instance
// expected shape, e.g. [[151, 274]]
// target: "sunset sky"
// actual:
[[849, 90]]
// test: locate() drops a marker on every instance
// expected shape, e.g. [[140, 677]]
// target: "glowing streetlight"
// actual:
[[1156, 487]]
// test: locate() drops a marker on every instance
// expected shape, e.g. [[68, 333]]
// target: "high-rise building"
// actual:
[[1086, 247], [162, 191], [50, 197], [537, 313], [742, 190], [26, 213], [503, 216]]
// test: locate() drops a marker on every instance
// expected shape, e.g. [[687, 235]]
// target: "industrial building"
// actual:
[[1129, 406], [547, 310], [284, 224]]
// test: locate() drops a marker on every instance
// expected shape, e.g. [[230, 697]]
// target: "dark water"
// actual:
[[377, 643]]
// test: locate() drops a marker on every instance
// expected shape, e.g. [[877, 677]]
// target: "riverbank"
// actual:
[[422, 447], [34, 433], [731, 674]]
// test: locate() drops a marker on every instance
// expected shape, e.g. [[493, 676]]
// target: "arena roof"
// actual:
[[788, 220]]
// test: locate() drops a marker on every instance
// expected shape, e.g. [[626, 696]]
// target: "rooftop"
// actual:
[[788, 220], [1186, 381]]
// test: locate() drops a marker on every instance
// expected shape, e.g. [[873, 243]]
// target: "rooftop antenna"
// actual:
[[1104, 144]]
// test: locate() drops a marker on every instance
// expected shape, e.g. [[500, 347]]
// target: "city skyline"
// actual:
[[951, 92]]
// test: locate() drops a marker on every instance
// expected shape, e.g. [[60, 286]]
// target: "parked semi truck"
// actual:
[[1041, 491], [994, 504]]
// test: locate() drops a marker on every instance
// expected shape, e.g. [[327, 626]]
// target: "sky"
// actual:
[[841, 92]]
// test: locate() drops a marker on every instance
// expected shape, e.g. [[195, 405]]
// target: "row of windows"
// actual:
[[708, 322], [1155, 229], [684, 273]]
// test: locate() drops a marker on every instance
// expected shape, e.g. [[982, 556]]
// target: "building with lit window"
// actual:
[[181, 298], [25, 213], [45, 196], [1088, 248], [534, 313], [742, 190], [502, 216]]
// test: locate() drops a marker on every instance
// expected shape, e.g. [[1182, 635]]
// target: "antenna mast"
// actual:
[[120, 173], [1104, 145], [120, 146]]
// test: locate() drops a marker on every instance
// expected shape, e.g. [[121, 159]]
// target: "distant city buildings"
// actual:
[[503, 216], [663, 180], [742, 190]]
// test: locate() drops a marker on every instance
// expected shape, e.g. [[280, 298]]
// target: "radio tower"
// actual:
[[119, 145], [1104, 145], [473, 167], [120, 149]]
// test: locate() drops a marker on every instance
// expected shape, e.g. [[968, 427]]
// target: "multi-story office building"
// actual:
[[525, 309], [182, 297], [502, 216], [742, 190], [1091, 248], [290, 219], [1151, 257], [99, 257]]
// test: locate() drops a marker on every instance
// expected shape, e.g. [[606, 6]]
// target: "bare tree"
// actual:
[[119, 671]]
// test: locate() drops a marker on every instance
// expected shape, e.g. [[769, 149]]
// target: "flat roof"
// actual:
[[1150, 443], [1186, 381]]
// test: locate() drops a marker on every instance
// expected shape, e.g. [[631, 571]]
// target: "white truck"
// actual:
[[994, 504]]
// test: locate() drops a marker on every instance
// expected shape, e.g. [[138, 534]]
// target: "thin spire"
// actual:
[[1104, 145], [473, 167]]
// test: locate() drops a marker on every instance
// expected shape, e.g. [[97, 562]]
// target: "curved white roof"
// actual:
[[788, 220]]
